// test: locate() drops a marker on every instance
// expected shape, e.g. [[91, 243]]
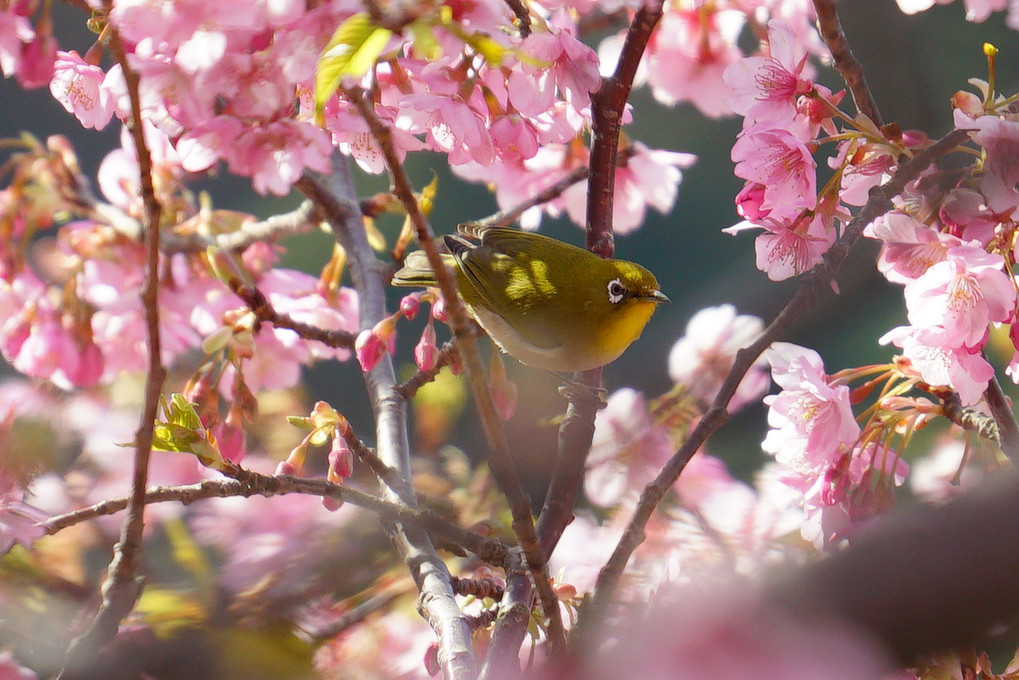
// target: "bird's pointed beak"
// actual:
[[657, 296]]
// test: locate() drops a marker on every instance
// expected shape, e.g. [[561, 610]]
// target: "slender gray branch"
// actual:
[[335, 197]]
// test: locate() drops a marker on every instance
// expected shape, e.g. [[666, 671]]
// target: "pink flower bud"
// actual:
[[439, 310], [749, 202], [410, 305], [285, 467], [341, 460], [231, 441], [968, 103], [369, 349], [35, 67], [426, 354], [331, 504]]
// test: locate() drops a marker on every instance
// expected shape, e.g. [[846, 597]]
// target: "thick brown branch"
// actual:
[[845, 63], [968, 419], [607, 108], [1004, 417]]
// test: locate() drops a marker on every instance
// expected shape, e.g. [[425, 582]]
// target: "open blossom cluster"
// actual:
[[953, 249], [785, 117], [70, 295], [232, 84]]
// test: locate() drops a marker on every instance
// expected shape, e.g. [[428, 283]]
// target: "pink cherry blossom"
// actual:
[[941, 364], [649, 178], [782, 163], [454, 127], [786, 249], [689, 54], [274, 156], [964, 213], [34, 67], [77, 86], [962, 294], [563, 63], [910, 247], [768, 88], [701, 359], [15, 30], [811, 419], [1000, 139], [864, 165], [627, 451]]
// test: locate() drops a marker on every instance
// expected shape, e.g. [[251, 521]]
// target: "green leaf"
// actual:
[[171, 437], [353, 49]]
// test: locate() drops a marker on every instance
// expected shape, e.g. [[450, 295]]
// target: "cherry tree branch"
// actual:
[[845, 63], [336, 198], [245, 483], [577, 428], [122, 587], [1004, 417], [805, 297], [264, 311], [298, 221], [972, 421], [507, 217], [500, 461]]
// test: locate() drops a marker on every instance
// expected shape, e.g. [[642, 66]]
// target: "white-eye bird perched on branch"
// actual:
[[548, 304]]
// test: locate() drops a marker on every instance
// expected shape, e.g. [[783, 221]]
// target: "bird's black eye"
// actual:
[[617, 291]]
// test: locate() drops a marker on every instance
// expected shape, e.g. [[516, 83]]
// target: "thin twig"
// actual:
[[122, 586], [523, 16], [845, 63], [500, 461], [298, 221], [351, 617], [264, 311], [508, 217], [806, 295]]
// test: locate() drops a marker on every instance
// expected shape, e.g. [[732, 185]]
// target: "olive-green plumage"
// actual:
[[547, 303]]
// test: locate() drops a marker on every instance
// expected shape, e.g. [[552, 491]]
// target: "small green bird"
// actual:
[[548, 304]]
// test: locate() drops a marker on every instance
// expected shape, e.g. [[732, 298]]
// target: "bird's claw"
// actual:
[[578, 392]]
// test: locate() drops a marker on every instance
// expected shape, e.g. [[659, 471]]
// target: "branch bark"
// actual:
[[122, 587], [336, 198], [577, 429], [500, 461]]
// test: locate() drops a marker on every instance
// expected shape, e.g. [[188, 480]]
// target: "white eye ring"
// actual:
[[617, 291]]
